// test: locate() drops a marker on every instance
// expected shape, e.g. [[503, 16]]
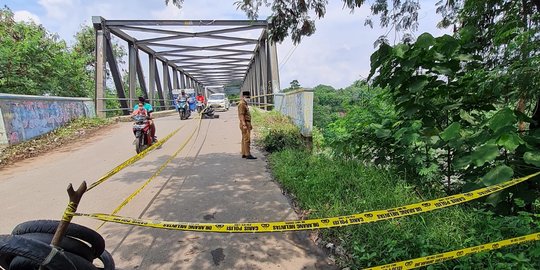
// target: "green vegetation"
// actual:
[[330, 187], [438, 116], [75, 130], [326, 186], [36, 62], [275, 131]]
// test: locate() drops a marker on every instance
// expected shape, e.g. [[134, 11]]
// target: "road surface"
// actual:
[[207, 182]]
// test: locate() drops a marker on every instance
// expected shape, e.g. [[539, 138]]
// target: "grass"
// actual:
[[324, 186], [73, 130]]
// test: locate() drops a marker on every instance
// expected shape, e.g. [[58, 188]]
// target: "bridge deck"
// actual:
[[206, 182]]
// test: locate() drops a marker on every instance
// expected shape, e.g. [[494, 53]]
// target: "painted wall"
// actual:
[[26, 117], [298, 105]]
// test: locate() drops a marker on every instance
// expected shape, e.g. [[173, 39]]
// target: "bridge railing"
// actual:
[[157, 104], [298, 105]]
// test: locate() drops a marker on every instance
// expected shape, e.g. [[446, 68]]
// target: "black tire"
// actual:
[[22, 263], [80, 262], [35, 251], [4, 261], [107, 260], [85, 234], [68, 243], [139, 147]]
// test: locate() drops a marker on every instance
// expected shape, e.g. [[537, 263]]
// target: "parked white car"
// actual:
[[219, 101]]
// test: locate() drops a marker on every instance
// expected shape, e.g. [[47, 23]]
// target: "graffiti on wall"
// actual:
[[26, 119]]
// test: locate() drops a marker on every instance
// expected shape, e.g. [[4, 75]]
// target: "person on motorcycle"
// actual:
[[200, 98], [149, 110], [183, 97], [139, 110]]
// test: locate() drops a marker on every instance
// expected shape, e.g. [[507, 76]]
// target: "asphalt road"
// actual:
[[206, 182]]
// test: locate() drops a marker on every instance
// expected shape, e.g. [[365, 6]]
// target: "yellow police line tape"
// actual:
[[132, 160], [433, 259], [311, 224], [161, 168]]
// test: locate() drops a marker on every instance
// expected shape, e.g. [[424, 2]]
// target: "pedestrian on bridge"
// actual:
[[245, 125]]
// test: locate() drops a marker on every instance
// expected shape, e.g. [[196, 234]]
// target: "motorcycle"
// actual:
[[200, 106], [183, 108], [141, 130], [208, 112]]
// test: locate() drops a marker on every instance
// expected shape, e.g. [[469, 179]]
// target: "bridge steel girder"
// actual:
[[190, 66], [167, 91], [100, 75], [175, 78], [140, 76], [182, 80], [132, 73], [115, 73]]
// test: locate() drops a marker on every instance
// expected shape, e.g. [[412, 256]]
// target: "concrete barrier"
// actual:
[[25, 117], [298, 105]]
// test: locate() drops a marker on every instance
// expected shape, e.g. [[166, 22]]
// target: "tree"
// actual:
[[505, 34], [85, 48], [295, 85], [35, 62]]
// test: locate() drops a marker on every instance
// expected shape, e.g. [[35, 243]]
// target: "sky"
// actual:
[[337, 54]]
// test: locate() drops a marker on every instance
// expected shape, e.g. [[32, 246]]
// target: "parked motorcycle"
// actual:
[[208, 112], [183, 109], [141, 130]]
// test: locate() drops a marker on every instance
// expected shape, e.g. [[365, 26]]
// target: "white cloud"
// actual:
[[26, 16], [57, 9]]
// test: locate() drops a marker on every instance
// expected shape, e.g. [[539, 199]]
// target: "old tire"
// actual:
[[21, 263], [107, 261], [96, 242], [34, 251], [68, 243]]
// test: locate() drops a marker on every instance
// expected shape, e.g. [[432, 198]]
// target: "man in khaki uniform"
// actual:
[[245, 125]]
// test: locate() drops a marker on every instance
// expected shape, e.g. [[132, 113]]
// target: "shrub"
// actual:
[[275, 131]]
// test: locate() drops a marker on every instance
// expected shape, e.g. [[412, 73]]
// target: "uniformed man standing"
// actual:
[[245, 125]]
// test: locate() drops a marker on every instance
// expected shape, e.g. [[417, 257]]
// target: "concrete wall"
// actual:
[[298, 105], [26, 117]]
